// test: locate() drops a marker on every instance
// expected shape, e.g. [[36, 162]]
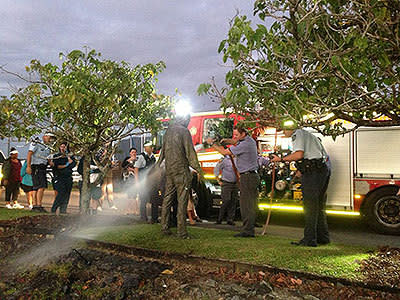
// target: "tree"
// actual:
[[319, 61], [91, 103]]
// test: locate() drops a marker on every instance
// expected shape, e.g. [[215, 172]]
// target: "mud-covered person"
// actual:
[[179, 154], [62, 171], [224, 171], [37, 161], [12, 179], [244, 148], [313, 163]]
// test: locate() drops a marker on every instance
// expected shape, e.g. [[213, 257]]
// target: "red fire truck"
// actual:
[[365, 172]]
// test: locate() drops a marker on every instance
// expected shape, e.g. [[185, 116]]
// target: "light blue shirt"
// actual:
[[246, 154], [225, 166], [40, 153], [305, 141]]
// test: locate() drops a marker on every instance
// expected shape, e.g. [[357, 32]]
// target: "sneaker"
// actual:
[[9, 206], [99, 208], [30, 207], [113, 207], [18, 206]]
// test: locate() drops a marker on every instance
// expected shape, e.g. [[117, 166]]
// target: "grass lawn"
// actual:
[[333, 260], [8, 214]]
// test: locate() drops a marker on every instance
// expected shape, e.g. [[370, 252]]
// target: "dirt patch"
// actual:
[[99, 274], [383, 267], [83, 274]]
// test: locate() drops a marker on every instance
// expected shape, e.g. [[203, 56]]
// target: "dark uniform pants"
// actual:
[[63, 186], [314, 186], [248, 201], [12, 191], [229, 196], [181, 185]]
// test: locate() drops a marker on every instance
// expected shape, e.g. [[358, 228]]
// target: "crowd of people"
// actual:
[[179, 168]]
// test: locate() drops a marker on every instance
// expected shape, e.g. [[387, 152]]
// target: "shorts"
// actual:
[[26, 188], [39, 178]]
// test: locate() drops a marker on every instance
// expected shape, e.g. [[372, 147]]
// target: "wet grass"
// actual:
[[334, 260], [9, 214]]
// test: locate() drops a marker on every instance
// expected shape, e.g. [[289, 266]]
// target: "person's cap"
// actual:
[[148, 144], [13, 151]]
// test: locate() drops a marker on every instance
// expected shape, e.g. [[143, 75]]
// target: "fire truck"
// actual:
[[365, 172]]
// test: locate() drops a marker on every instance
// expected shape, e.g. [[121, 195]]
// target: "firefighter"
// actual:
[[229, 188], [245, 150], [312, 161], [179, 154]]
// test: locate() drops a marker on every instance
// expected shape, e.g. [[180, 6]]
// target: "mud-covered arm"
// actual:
[[190, 152]]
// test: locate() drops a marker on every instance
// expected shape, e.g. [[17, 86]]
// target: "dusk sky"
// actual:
[[184, 34]]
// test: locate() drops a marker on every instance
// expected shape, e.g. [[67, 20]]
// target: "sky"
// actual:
[[184, 34]]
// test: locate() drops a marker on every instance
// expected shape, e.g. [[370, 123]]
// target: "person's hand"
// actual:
[[226, 141], [398, 193], [5, 182], [210, 141], [51, 163], [275, 158], [28, 170], [70, 160], [220, 182]]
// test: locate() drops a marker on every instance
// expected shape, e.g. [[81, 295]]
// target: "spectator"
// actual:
[[63, 165], [27, 185], [37, 162], [142, 166], [130, 179], [128, 166], [12, 179]]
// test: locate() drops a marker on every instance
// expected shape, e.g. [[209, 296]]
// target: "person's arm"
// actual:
[[190, 152], [291, 157], [6, 171], [28, 162]]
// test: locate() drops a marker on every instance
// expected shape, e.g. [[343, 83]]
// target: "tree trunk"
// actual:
[[85, 192]]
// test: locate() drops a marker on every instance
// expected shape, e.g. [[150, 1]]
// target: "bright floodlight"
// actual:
[[183, 108], [288, 123]]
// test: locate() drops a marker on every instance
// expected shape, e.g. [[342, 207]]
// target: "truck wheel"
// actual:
[[382, 211]]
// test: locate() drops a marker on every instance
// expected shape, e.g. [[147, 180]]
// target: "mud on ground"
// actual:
[[97, 274]]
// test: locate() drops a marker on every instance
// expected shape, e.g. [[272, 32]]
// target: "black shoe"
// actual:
[[154, 221], [218, 222], [230, 223], [304, 243], [36, 208], [243, 234]]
